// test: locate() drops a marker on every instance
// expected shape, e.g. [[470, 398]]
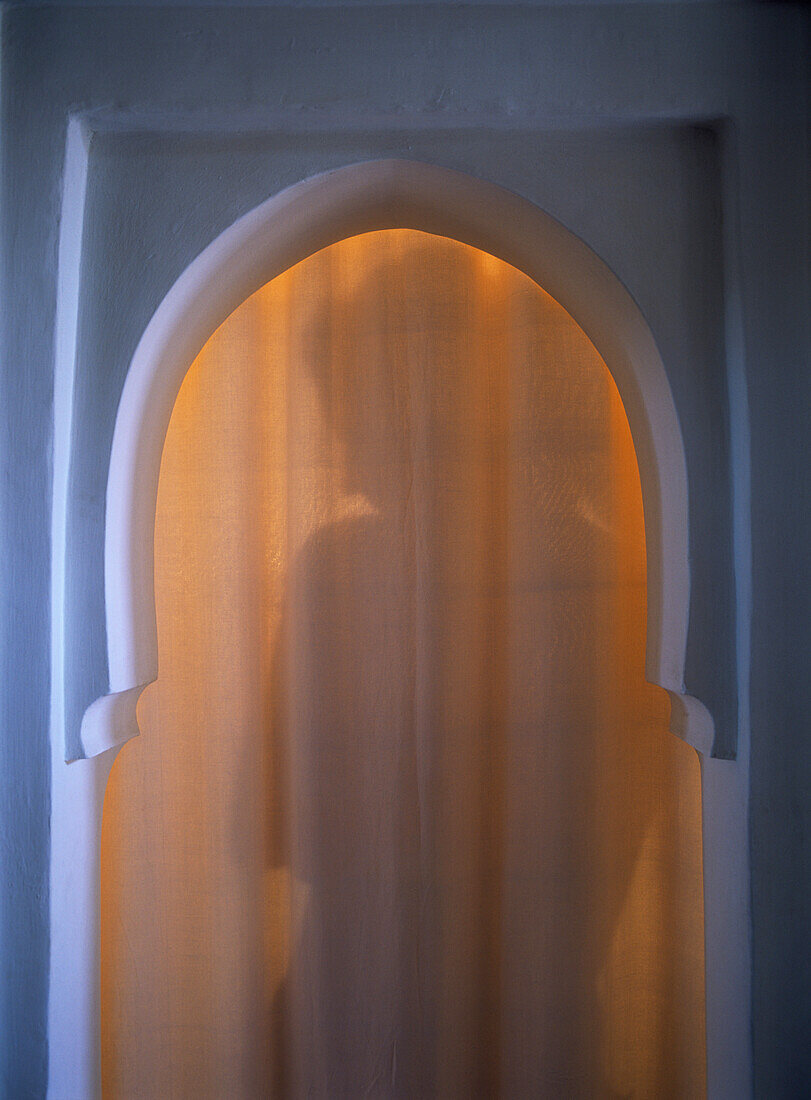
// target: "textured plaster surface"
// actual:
[[672, 138]]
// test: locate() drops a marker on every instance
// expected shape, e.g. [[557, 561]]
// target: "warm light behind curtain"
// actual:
[[404, 818]]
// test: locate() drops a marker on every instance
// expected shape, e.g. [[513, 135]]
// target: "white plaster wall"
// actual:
[[671, 138]]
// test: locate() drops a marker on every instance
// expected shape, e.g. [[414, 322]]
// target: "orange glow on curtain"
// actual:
[[404, 818]]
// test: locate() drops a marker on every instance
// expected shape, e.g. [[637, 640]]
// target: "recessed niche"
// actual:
[[405, 818]]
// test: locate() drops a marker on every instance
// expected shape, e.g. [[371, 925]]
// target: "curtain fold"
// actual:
[[404, 819]]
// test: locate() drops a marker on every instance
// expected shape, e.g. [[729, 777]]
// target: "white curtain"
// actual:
[[404, 819]]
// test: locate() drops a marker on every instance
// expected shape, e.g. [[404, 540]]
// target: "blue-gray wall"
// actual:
[[732, 77]]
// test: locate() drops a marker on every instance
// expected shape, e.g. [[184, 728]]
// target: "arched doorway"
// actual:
[[399, 493], [260, 245]]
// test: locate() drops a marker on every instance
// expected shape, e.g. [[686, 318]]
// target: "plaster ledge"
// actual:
[[111, 721], [691, 721]]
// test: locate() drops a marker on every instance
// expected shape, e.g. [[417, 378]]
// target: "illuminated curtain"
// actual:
[[404, 819]]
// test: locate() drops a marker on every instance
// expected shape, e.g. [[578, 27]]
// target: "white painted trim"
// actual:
[[287, 228], [76, 793], [71, 231]]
